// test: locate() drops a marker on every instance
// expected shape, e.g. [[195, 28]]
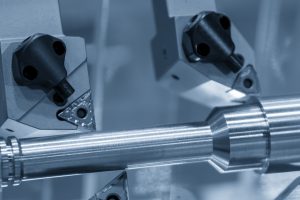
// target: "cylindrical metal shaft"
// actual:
[[262, 135], [96, 151]]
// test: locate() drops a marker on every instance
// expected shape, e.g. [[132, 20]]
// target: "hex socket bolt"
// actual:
[[263, 135]]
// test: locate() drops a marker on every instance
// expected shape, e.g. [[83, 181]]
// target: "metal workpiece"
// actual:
[[89, 152], [261, 135], [284, 128], [239, 138]]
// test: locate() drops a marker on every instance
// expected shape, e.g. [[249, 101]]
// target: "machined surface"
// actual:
[[82, 152], [184, 181], [235, 139], [239, 137], [284, 128]]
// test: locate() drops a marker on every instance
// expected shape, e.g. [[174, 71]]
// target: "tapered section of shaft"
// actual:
[[95, 151]]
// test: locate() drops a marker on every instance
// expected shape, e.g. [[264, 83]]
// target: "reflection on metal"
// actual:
[[115, 190], [80, 112]]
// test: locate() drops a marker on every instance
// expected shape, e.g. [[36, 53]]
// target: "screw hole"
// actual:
[[225, 22], [175, 77], [113, 197], [58, 100], [81, 113], [203, 49], [59, 48], [30, 72], [248, 83]]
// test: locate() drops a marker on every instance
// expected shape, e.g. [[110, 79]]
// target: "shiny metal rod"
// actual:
[[262, 135], [35, 158]]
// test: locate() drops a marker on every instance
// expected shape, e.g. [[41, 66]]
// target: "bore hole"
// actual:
[[203, 49], [175, 77], [225, 22], [113, 197], [248, 83], [30, 72], [81, 113], [58, 100], [59, 48]]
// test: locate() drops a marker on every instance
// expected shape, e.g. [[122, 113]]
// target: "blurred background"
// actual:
[[126, 95]]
